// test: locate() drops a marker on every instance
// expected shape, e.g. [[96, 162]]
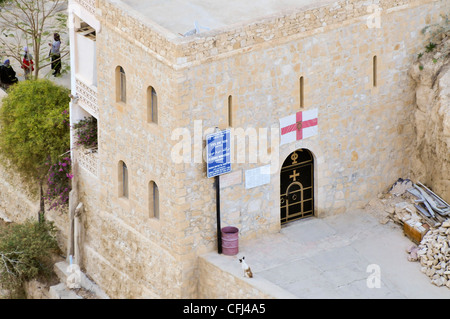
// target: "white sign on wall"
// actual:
[[231, 179], [257, 176]]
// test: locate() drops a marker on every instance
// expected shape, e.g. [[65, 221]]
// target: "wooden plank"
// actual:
[[414, 233]]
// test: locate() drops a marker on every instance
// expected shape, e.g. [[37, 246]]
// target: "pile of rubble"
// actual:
[[410, 203], [396, 205], [433, 253], [425, 218]]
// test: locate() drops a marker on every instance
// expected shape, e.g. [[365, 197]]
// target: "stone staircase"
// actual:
[[87, 290]]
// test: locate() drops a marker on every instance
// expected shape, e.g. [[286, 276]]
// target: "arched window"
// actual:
[[153, 200], [152, 105], [121, 85], [123, 179]]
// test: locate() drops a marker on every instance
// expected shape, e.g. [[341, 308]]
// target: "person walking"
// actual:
[[55, 55], [27, 63]]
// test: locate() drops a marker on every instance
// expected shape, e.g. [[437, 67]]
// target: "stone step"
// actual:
[[61, 270]]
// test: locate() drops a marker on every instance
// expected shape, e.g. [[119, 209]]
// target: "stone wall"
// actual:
[[16, 202], [217, 280], [364, 141], [130, 253], [365, 132]]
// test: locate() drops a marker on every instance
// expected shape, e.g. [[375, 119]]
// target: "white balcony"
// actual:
[[87, 97], [87, 159], [89, 5]]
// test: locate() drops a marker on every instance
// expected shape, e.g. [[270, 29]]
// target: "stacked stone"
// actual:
[[434, 255]]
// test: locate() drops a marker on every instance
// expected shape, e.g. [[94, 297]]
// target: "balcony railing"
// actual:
[[89, 5], [87, 159], [87, 97]]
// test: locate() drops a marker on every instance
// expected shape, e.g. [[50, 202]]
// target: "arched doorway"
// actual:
[[297, 186]]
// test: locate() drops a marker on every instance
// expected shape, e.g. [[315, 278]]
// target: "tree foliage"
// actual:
[[34, 125], [34, 128], [25, 253]]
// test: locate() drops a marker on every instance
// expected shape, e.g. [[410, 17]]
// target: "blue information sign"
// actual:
[[218, 158]]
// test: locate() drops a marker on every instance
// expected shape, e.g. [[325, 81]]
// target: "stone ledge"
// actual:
[[227, 269]]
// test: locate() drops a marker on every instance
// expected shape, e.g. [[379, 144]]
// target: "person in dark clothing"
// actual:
[[56, 55], [7, 73]]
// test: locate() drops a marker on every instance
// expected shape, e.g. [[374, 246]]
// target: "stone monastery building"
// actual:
[[316, 96]]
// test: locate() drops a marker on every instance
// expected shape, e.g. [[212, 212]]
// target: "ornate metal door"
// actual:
[[297, 186]]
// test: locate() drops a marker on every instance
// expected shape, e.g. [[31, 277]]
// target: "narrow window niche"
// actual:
[[153, 200], [374, 71], [230, 110], [302, 92], [121, 85], [123, 180], [152, 105]]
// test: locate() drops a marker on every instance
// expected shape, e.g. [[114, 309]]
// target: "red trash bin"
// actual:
[[230, 240]]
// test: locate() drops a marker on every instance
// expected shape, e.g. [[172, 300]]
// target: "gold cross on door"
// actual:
[[294, 175]]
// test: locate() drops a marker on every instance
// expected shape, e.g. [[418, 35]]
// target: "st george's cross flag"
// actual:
[[298, 126]]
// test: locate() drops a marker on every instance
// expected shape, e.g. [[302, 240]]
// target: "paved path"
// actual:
[[328, 258]]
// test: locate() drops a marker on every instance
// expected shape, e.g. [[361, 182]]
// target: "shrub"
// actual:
[[59, 184], [430, 47], [86, 133], [25, 253]]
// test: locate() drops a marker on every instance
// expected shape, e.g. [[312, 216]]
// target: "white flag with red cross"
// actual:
[[298, 126]]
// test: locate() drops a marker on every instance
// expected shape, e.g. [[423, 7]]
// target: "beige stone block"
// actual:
[[339, 195]]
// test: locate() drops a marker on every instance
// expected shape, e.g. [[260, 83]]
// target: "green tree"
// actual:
[[34, 130]]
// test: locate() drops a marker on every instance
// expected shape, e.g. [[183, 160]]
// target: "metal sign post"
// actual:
[[219, 230], [218, 161]]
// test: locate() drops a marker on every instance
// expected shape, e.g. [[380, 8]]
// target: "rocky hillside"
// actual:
[[431, 72]]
